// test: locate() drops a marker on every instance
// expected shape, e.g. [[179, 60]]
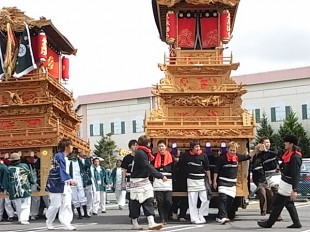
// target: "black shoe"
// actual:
[[294, 226], [263, 213], [87, 216], [103, 211], [264, 224], [10, 219], [80, 217], [95, 214]]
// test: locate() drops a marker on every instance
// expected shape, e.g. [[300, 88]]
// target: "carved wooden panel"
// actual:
[[198, 112], [198, 133], [17, 123]]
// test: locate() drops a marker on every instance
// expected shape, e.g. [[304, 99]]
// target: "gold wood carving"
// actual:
[[210, 133], [197, 101], [14, 98]]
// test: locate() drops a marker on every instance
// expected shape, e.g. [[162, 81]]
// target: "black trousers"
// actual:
[[164, 203], [265, 196], [224, 205], [147, 205], [182, 203], [279, 202]]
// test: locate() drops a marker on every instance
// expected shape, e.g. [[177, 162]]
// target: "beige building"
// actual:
[[122, 112], [278, 92]]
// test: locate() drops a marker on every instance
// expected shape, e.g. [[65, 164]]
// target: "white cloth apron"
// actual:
[[160, 185], [194, 185], [141, 193]]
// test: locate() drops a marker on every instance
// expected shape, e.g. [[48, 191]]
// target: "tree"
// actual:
[[104, 149], [265, 130], [291, 126]]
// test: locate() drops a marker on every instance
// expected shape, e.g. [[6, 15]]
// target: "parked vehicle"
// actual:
[[304, 183]]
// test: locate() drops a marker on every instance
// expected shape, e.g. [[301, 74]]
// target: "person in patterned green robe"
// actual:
[[20, 180]]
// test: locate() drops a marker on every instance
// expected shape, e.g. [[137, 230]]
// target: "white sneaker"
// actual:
[[182, 220], [49, 226], [70, 228], [174, 216], [24, 222], [224, 221], [197, 222], [155, 226], [218, 220]]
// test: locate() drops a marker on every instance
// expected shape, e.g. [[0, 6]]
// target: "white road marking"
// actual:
[[177, 228], [56, 227]]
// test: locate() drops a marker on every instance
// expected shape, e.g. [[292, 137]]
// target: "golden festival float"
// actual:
[[198, 98], [36, 110]]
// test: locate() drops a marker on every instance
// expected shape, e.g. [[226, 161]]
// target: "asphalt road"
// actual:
[[117, 220]]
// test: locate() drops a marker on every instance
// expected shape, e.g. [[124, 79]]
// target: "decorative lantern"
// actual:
[[171, 30], [225, 27], [174, 149], [208, 148], [65, 68], [223, 148], [42, 47]]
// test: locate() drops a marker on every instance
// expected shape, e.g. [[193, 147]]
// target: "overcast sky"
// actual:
[[119, 46]]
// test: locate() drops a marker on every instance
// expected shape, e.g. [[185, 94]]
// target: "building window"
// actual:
[[116, 127], [123, 130], [101, 129], [91, 130], [288, 109], [257, 115], [112, 127], [137, 125], [305, 110], [134, 126], [277, 114]]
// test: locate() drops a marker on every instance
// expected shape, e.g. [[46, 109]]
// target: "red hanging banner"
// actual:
[[209, 32], [225, 26], [186, 32], [171, 30]]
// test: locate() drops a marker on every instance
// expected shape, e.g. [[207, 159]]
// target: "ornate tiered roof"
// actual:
[[17, 18]]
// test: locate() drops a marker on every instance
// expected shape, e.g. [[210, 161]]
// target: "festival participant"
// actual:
[[77, 172], [21, 181], [287, 192], [127, 162], [259, 179], [100, 179], [58, 187], [163, 163], [225, 179], [269, 182], [87, 179], [179, 185], [141, 189], [5, 203], [118, 187], [198, 173]]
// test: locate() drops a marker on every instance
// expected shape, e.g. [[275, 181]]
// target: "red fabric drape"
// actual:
[[186, 32], [209, 32], [167, 159]]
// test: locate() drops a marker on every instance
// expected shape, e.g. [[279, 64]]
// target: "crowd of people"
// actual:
[[77, 183]]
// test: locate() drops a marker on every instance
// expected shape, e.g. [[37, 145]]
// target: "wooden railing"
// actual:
[[29, 132], [197, 121], [212, 60]]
